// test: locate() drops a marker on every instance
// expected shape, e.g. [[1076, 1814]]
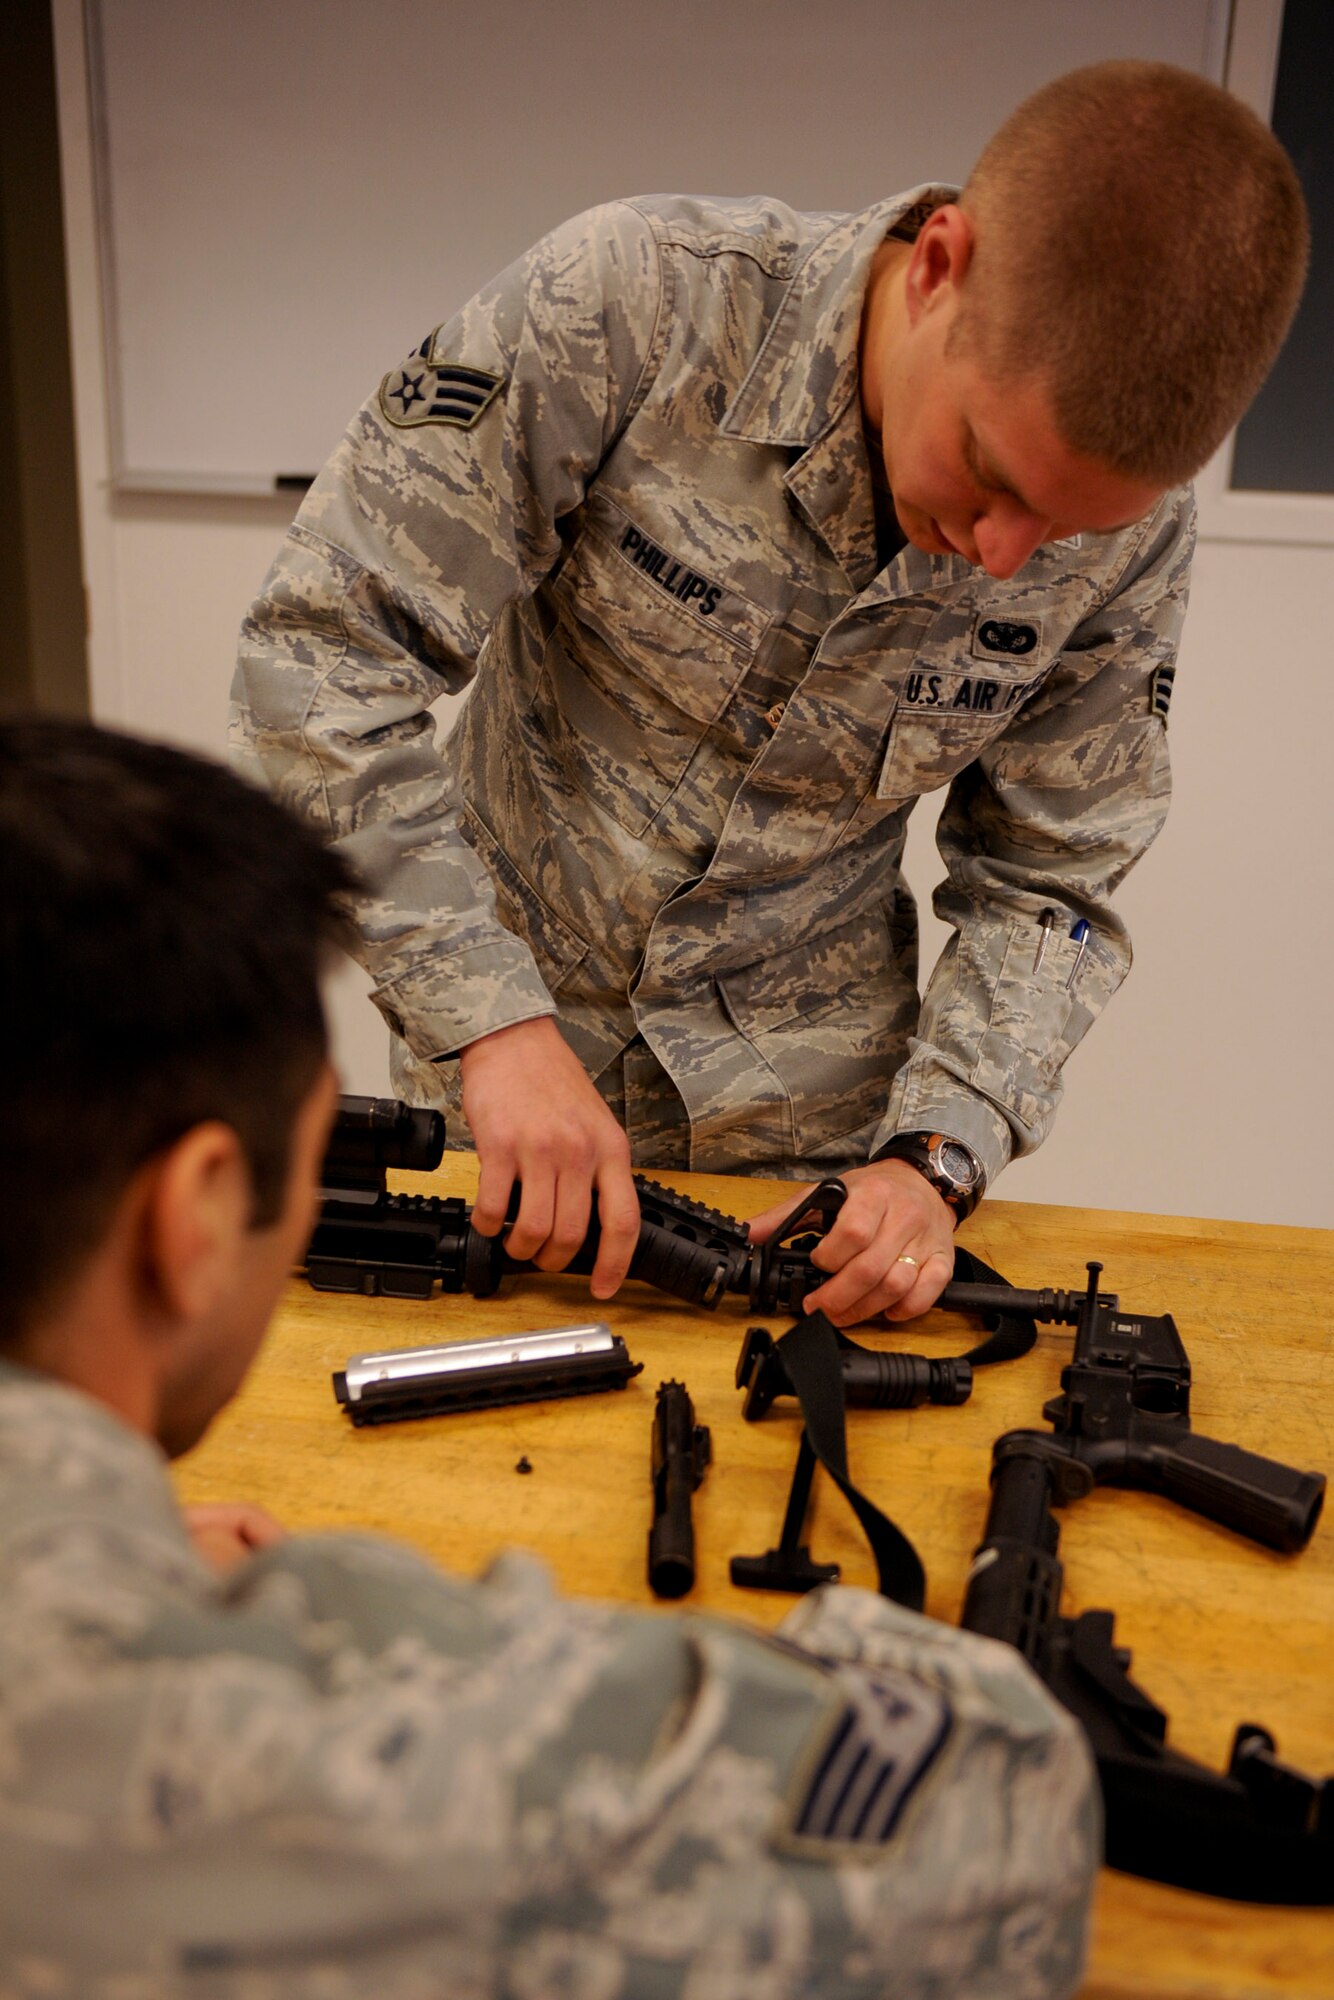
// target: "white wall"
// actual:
[[290, 189], [1205, 1091]]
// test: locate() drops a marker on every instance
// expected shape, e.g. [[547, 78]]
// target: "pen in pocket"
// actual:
[[1046, 920]]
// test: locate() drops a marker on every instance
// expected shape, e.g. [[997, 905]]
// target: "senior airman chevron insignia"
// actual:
[[1160, 690], [426, 391], [877, 1753]]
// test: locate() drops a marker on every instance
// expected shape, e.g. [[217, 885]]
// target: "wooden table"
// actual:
[[1221, 1630]]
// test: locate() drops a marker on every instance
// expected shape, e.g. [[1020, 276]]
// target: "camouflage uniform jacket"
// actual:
[[629, 483], [340, 1773]]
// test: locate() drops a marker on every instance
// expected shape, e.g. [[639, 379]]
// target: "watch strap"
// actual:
[[921, 1150]]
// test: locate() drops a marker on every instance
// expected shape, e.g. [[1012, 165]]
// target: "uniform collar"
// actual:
[[81, 1410], [806, 370], [802, 388]]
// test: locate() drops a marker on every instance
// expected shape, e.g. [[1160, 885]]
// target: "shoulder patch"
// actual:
[[875, 1754], [426, 390], [1160, 691]]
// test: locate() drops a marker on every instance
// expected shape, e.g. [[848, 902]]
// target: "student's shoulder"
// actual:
[[61, 1452], [760, 227]]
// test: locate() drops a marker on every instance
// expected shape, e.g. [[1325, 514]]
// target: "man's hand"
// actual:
[[891, 1248], [537, 1119], [226, 1533]]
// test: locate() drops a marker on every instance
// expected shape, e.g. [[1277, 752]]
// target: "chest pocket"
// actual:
[[950, 706], [644, 656]]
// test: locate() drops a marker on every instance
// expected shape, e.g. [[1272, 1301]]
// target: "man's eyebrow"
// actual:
[[989, 475], [987, 471]]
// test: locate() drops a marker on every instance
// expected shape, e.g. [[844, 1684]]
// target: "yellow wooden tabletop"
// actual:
[[1221, 1631]]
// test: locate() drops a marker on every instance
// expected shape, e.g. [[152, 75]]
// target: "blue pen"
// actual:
[[1080, 936]]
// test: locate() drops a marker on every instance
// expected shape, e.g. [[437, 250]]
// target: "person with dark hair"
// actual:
[[145, 1007], [748, 527], [234, 1763]]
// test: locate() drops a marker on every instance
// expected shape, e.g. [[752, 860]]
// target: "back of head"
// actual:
[[162, 927], [1140, 248]]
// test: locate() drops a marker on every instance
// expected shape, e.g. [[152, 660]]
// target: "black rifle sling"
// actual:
[[810, 1352]]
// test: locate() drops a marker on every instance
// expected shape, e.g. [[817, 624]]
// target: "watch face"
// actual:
[[956, 1163]]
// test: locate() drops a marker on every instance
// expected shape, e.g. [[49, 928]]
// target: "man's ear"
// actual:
[[197, 1211], [939, 262]]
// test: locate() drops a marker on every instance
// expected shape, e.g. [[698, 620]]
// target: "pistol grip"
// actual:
[[1271, 1503]]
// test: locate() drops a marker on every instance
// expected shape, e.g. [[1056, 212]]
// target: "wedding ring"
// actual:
[[907, 1260]]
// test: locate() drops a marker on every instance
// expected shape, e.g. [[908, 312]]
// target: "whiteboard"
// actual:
[[291, 193]]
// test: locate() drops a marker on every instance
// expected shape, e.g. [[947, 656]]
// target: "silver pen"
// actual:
[[1080, 935], [1047, 919]]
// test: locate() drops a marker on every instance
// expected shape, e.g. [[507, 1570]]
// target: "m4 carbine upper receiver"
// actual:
[[404, 1245]]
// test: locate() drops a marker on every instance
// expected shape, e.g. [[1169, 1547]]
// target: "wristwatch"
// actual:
[[953, 1169]]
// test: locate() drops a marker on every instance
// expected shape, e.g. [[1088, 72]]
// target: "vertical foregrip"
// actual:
[[1014, 1584]]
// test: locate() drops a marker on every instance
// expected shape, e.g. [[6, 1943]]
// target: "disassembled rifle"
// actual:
[[1259, 1830]]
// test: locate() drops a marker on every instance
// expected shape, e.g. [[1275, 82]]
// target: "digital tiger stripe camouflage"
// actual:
[[674, 805]]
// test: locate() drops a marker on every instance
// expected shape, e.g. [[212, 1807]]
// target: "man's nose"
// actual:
[[1006, 540]]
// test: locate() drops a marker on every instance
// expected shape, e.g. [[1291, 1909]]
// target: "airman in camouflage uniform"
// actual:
[[339, 1773], [628, 487], [654, 485]]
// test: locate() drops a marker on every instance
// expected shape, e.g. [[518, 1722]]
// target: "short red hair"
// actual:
[[1140, 247]]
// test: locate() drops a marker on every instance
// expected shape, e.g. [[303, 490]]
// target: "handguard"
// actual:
[[369, 1241], [476, 1374]]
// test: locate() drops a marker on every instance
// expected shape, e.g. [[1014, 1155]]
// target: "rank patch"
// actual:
[[881, 1747], [424, 391], [1160, 691]]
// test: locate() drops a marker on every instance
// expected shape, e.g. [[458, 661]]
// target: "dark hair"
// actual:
[[162, 927]]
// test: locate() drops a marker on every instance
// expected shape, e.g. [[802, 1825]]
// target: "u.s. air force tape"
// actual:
[[876, 1754], [426, 390]]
